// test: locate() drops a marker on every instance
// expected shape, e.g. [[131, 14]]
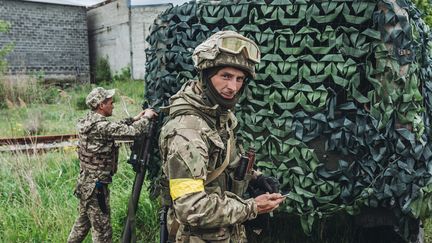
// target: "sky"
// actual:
[[93, 2]]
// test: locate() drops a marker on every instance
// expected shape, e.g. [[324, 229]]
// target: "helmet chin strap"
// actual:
[[211, 95]]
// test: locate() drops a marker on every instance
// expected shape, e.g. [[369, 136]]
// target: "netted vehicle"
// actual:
[[339, 111]]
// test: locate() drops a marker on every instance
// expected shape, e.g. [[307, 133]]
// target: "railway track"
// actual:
[[37, 143], [34, 144]]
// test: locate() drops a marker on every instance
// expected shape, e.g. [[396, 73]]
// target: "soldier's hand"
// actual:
[[137, 117], [268, 202], [150, 113]]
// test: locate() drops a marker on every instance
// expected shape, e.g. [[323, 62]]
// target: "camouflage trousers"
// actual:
[[237, 234], [92, 217]]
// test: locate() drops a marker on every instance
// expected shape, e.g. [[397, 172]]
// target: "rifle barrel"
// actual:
[[143, 159]]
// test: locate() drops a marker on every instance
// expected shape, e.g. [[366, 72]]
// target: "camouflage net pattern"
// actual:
[[341, 106]]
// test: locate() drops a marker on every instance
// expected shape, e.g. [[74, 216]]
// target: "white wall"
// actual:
[[156, 2], [142, 18], [111, 35], [108, 28]]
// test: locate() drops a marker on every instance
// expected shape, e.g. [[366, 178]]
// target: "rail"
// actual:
[[37, 143], [37, 139]]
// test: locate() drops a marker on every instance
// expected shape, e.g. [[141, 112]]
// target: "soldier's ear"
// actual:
[[100, 106]]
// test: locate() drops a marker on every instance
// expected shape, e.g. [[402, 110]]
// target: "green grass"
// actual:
[[36, 201], [37, 204], [61, 117]]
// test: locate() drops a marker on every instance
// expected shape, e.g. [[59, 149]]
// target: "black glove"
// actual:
[[263, 184]]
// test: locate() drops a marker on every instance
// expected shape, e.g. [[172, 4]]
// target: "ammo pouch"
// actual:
[[239, 187]]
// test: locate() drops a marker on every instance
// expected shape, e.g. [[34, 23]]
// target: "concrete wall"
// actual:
[[142, 18], [108, 28], [118, 33], [48, 38]]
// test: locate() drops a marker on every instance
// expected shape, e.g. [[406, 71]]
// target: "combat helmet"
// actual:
[[227, 48]]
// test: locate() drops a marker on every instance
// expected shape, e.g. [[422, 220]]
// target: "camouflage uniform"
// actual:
[[196, 140], [192, 148], [98, 163]]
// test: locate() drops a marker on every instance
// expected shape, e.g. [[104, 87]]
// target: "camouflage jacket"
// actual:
[[193, 143], [97, 150]]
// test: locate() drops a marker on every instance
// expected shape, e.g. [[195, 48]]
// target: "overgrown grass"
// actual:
[[60, 115], [21, 90], [36, 201], [37, 204]]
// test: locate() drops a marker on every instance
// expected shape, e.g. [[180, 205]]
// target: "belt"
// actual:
[[199, 231]]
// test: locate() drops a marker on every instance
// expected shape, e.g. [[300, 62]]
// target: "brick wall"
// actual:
[[48, 38]]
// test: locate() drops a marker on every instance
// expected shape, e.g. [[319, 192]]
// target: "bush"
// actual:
[[102, 70], [4, 50], [2, 95], [34, 124], [123, 75], [80, 103]]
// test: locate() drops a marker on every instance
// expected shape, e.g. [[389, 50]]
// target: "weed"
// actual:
[[80, 103], [4, 50], [34, 123], [24, 89], [102, 70], [124, 74]]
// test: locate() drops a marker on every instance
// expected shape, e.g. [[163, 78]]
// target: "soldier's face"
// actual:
[[107, 107], [228, 81]]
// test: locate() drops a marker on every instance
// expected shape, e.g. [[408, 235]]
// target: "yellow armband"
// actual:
[[183, 186]]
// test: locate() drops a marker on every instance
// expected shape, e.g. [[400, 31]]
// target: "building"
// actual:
[[50, 39], [118, 29]]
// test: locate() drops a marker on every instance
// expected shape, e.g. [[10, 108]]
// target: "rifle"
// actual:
[[139, 159]]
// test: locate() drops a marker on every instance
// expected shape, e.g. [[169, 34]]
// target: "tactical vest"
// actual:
[[105, 162], [226, 139], [102, 164]]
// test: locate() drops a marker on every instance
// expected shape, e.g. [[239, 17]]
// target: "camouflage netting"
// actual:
[[341, 106]]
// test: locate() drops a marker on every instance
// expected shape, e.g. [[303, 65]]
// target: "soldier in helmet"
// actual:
[[98, 156], [199, 148]]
